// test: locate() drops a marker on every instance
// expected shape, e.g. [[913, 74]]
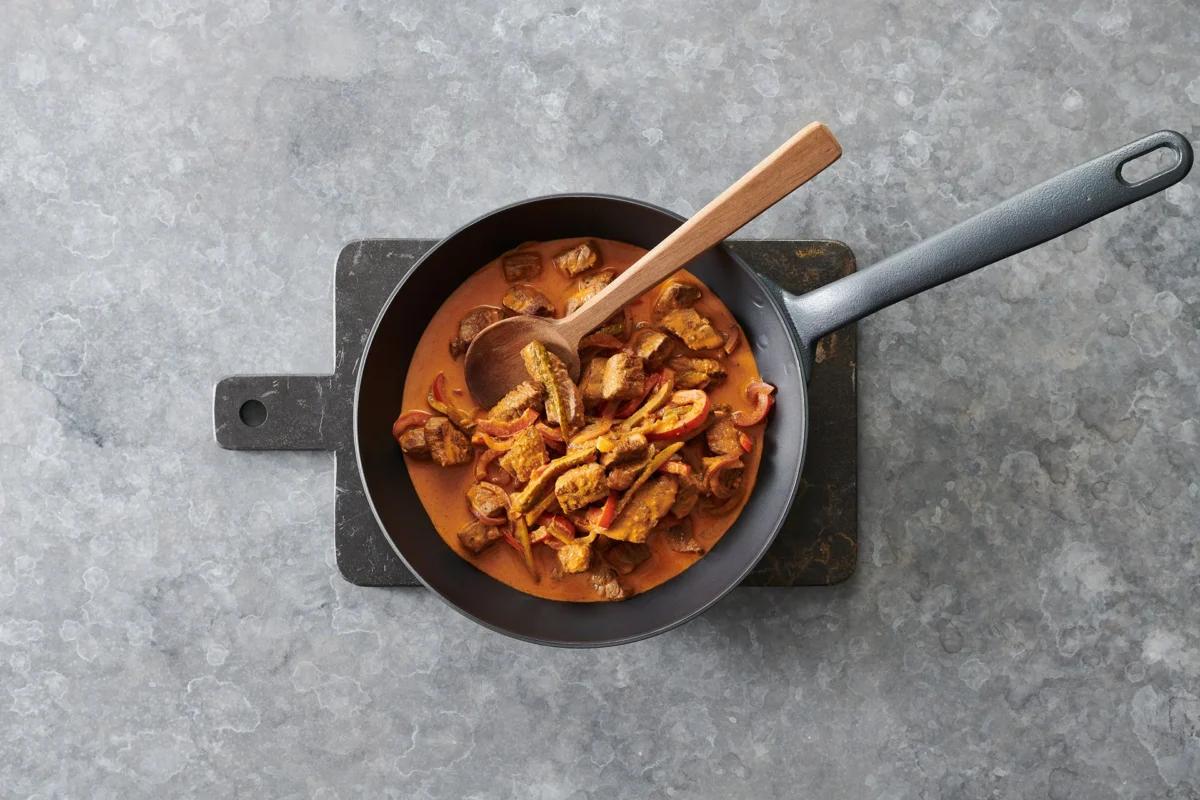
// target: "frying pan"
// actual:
[[782, 330]]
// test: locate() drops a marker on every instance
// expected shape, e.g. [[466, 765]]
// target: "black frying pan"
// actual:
[[782, 329]]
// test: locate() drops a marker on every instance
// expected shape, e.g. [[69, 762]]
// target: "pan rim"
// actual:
[[793, 479]]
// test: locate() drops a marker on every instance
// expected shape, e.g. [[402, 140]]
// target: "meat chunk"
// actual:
[[625, 557], [564, 404], [588, 287], [527, 453], [674, 295], [621, 477], [653, 347], [693, 328], [604, 582], [476, 537], [690, 489], [722, 438], [576, 556], [471, 324], [521, 265], [627, 447], [592, 383], [523, 299], [650, 504], [447, 444], [412, 442], [521, 397], [488, 500], [580, 258], [580, 486], [680, 538], [624, 377], [543, 479], [695, 373]]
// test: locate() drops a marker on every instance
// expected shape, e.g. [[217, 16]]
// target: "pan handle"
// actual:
[[275, 412], [1037, 215]]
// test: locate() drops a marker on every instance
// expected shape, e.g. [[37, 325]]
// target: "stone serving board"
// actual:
[[818, 544]]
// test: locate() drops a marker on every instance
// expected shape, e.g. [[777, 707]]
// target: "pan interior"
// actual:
[[394, 501]]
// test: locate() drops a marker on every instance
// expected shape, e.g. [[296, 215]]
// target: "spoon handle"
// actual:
[[796, 161]]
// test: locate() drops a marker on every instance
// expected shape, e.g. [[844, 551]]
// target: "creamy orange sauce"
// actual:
[[443, 489]]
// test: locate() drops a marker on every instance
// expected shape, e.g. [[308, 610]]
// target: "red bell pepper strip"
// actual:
[[673, 428], [409, 419], [496, 427], [761, 394]]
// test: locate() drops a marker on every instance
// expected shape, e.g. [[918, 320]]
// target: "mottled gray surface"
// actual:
[[175, 182]]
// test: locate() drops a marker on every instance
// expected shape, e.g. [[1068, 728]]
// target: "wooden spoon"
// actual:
[[493, 363]]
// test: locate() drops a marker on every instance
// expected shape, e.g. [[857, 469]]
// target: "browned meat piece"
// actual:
[[624, 377], [653, 347], [650, 504], [580, 258], [522, 299], [675, 294], [588, 287], [580, 486], [527, 454], [576, 556], [523, 265], [477, 537], [693, 328], [604, 581], [470, 325], [488, 500], [592, 383], [625, 557], [622, 477], [626, 447], [695, 373], [543, 479], [519, 398], [413, 443], [690, 489], [564, 404], [446, 443], [680, 538], [722, 438]]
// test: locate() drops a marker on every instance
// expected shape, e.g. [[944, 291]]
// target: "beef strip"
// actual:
[[690, 489], [588, 287], [488, 500], [624, 377], [477, 537], [622, 476], [412, 442], [626, 447], [519, 398], [693, 328], [522, 265], [653, 347], [580, 258], [722, 438], [527, 453], [523, 299], [580, 486], [695, 373], [680, 538], [471, 324], [625, 557], [650, 504], [604, 581], [592, 383], [675, 295], [447, 444]]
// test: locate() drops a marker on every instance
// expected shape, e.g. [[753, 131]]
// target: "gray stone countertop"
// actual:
[[176, 179]]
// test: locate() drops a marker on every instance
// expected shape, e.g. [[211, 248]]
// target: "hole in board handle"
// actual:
[[1151, 164], [252, 413]]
